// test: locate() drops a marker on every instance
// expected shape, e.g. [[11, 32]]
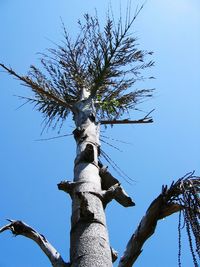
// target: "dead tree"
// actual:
[[91, 77]]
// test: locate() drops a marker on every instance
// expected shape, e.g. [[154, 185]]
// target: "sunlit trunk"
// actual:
[[89, 237]]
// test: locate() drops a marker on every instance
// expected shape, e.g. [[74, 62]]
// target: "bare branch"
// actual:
[[167, 203], [127, 121], [117, 192], [66, 186], [145, 229], [20, 228], [145, 119]]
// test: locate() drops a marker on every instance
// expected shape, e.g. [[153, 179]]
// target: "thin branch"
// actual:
[[20, 228], [145, 119], [127, 121]]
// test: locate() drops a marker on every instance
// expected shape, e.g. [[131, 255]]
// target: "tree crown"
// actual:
[[106, 63]]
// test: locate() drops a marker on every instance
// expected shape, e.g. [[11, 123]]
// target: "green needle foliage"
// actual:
[[106, 62]]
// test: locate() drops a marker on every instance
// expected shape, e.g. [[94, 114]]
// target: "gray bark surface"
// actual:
[[20, 228], [157, 210], [89, 242]]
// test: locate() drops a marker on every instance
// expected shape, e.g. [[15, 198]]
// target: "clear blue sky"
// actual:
[[160, 152]]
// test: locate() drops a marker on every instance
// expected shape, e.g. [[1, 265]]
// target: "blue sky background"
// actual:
[[159, 152]]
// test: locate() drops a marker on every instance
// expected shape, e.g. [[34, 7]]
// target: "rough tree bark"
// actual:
[[89, 236], [93, 187]]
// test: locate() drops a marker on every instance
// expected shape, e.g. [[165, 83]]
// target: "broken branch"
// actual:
[[20, 228], [113, 190], [127, 121], [117, 192]]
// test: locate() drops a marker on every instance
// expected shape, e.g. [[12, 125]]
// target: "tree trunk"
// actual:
[[89, 243]]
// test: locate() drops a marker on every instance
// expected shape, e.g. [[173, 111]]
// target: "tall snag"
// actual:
[[93, 78]]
